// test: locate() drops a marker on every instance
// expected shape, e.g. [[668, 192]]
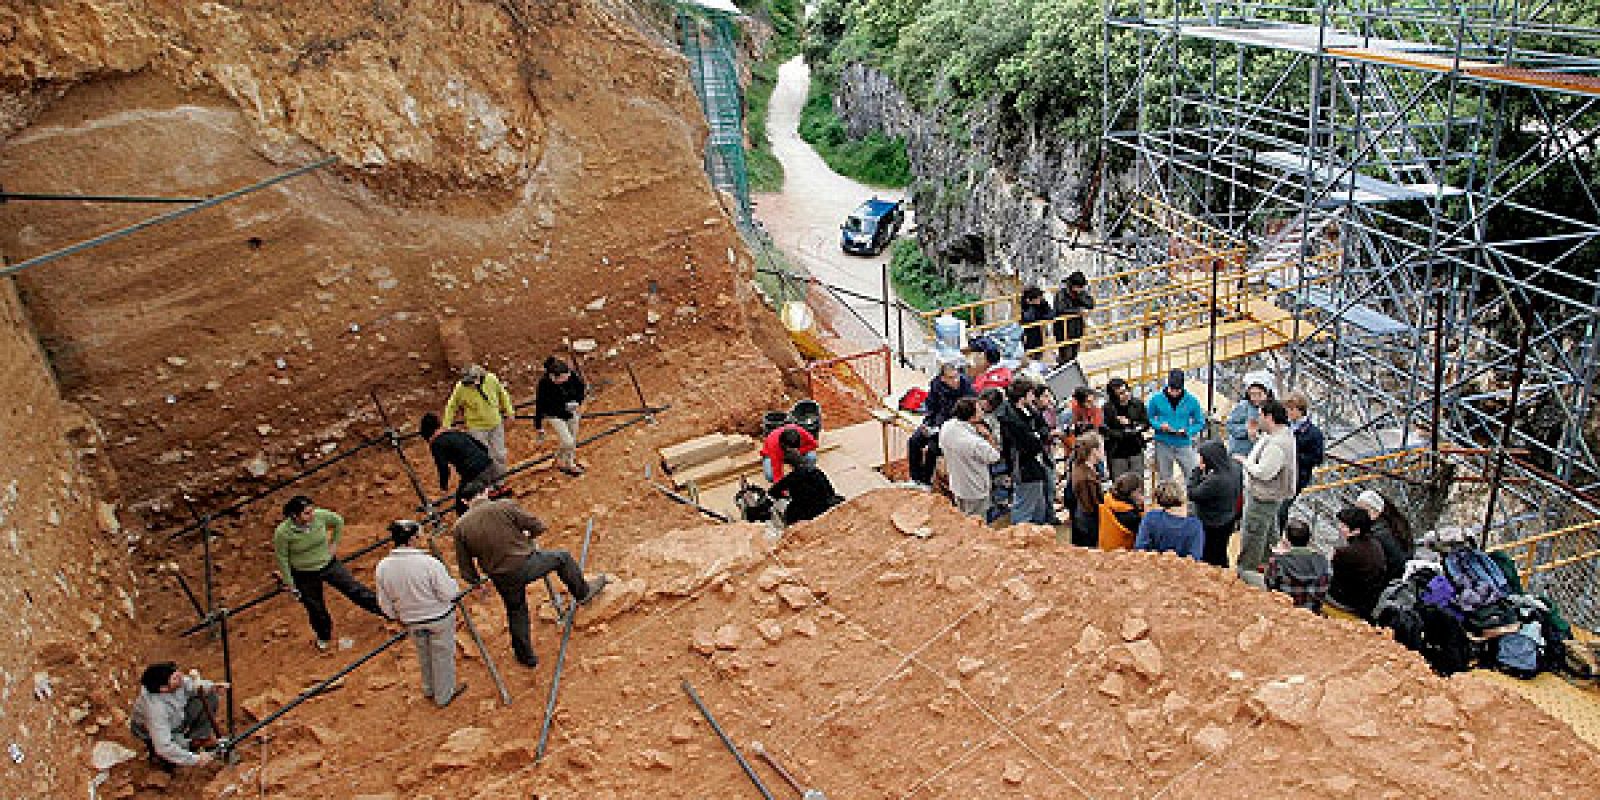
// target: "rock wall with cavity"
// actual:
[[987, 200]]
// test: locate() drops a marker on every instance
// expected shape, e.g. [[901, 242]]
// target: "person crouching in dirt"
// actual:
[[453, 448], [306, 542], [174, 716], [806, 487], [497, 535], [559, 401], [485, 405], [415, 589]]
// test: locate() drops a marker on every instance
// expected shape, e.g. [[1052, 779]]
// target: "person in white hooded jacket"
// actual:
[[968, 452], [1244, 421]]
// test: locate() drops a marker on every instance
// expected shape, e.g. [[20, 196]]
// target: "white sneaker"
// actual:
[[322, 644]]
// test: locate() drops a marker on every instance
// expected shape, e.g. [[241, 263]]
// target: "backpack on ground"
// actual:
[[1446, 645], [1478, 579], [1508, 568], [1517, 654], [914, 399], [987, 346]]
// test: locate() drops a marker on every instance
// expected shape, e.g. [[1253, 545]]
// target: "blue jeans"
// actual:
[[1186, 457], [1030, 503], [766, 466]]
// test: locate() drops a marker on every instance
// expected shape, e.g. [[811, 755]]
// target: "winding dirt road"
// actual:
[[804, 218]]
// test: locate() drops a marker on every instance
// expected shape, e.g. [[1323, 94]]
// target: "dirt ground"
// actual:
[[876, 664]]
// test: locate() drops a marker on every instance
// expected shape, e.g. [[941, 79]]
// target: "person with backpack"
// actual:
[[1084, 486], [807, 489], [1177, 418], [1359, 571], [559, 400], [1390, 529], [1269, 480], [485, 405], [1126, 424], [1025, 441], [1169, 528], [1036, 312], [969, 450], [922, 449], [1215, 488], [1121, 511], [1072, 301], [1300, 572], [1310, 448]]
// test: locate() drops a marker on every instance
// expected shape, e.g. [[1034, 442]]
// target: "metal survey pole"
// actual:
[[434, 524], [1519, 367], [214, 614], [639, 390], [561, 654], [749, 771]]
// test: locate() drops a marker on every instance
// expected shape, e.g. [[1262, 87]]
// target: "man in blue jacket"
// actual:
[[922, 450], [1177, 418]]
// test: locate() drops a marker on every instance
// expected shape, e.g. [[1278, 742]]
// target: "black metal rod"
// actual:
[[323, 685], [620, 412], [199, 611], [534, 462], [637, 388], [1518, 368], [99, 198], [167, 217], [749, 771], [268, 594], [227, 669], [716, 515], [561, 654], [285, 483]]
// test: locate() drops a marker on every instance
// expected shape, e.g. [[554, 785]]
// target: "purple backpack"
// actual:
[[1441, 594]]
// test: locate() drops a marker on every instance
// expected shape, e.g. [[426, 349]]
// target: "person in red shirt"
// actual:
[[1087, 415], [788, 437], [994, 375]]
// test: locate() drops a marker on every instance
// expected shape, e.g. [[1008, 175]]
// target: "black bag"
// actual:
[[755, 505], [1446, 645]]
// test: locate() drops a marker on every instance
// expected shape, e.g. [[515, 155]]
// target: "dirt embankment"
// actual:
[[66, 593], [533, 169]]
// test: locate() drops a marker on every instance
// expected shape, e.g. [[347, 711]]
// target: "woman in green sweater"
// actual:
[[305, 543]]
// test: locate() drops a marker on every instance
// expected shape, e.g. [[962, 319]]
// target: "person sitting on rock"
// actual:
[[173, 716], [1359, 569], [806, 487], [1301, 573], [1169, 528]]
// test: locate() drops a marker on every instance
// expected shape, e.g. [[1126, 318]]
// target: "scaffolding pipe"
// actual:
[[6, 197], [561, 654], [1524, 334], [726, 742], [167, 217], [270, 593]]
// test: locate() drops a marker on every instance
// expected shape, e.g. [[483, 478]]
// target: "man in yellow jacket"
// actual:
[[486, 405]]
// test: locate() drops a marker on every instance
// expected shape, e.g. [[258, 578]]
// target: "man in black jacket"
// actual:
[[1035, 308], [922, 450], [1025, 435], [1127, 422], [458, 449], [1310, 448], [560, 400], [1072, 301]]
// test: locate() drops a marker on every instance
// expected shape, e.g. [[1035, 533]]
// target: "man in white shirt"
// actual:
[[416, 589], [173, 715], [968, 452], [1269, 473]]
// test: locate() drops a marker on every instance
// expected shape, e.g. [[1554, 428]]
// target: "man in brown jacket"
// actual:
[[497, 535]]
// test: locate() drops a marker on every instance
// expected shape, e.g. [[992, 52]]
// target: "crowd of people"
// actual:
[[495, 544], [1120, 472]]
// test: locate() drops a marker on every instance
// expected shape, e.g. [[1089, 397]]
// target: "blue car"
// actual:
[[871, 227]]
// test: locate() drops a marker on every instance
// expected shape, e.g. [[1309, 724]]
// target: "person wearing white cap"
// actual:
[[1391, 530]]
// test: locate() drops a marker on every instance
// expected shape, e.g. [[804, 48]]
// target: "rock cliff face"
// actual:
[[529, 168], [985, 204]]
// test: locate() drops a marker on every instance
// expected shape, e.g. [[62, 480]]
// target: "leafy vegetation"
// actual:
[[876, 160], [918, 281]]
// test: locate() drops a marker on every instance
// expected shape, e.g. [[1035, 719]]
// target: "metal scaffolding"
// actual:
[[706, 34], [1382, 161]]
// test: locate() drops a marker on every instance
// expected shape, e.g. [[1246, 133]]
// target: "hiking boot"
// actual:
[[596, 586], [531, 662], [500, 492], [573, 471]]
